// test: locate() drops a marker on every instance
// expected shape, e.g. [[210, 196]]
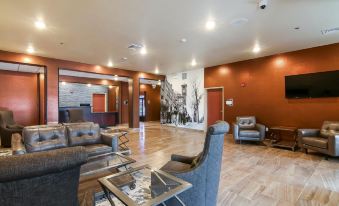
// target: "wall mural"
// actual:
[[182, 101]]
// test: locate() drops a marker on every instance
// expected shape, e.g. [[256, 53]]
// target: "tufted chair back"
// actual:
[[329, 128], [41, 138], [83, 134], [248, 122], [6, 118]]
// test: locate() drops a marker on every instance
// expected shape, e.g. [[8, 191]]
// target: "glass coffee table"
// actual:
[[142, 186], [105, 162]]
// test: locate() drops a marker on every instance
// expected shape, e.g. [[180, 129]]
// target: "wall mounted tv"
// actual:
[[314, 85]]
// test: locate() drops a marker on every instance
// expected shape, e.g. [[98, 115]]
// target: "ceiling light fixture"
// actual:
[[110, 86], [210, 25], [256, 49], [156, 70], [30, 50], [143, 51], [183, 40], [89, 85], [116, 77], [63, 83], [110, 64], [39, 24], [193, 63]]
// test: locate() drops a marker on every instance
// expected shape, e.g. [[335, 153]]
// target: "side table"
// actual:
[[285, 137]]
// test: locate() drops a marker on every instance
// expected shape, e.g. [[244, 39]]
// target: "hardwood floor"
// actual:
[[251, 174]]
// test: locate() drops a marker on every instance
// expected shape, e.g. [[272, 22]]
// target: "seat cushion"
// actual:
[[249, 133], [174, 166], [315, 142], [37, 139], [97, 149], [83, 134]]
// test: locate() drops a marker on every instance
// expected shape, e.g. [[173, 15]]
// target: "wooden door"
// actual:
[[99, 103], [214, 105]]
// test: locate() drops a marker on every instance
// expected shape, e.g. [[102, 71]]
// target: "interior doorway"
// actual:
[[99, 102], [142, 108], [215, 107]]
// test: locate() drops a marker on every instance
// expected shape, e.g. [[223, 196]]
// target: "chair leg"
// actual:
[[326, 157], [306, 151]]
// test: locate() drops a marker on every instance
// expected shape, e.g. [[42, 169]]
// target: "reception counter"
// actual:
[[104, 119]]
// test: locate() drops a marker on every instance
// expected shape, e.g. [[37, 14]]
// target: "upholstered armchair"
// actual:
[[324, 140], [42, 178], [202, 171], [8, 127], [247, 128], [75, 115]]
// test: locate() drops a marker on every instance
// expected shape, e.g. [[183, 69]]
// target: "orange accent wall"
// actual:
[[152, 103], [19, 93], [258, 87], [52, 71]]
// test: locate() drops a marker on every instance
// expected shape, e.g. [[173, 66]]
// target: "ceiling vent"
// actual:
[[329, 31], [135, 46]]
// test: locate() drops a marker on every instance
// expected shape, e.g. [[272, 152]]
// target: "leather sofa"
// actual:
[[202, 171], [324, 140], [8, 127], [247, 128], [42, 178], [46, 137]]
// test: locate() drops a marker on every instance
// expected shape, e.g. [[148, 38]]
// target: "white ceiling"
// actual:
[[94, 31]]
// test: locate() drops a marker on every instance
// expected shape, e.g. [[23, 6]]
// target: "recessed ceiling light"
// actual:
[[183, 40], [63, 83], [193, 63], [89, 85], [110, 64], [156, 70], [143, 51], [116, 77], [40, 24], [110, 86], [256, 49], [30, 50], [210, 25]]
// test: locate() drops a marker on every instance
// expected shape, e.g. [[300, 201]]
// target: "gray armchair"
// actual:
[[8, 127], [324, 140], [202, 171], [247, 128], [42, 178]]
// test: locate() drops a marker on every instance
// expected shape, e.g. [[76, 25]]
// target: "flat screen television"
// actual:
[[314, 85]]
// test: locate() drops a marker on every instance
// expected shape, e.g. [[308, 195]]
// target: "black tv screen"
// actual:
[[314, 85]]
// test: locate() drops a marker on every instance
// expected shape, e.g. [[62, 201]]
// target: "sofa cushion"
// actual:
[[97, 149], [329, 128], [83, 134], [246, 122], [174, 166], [249, 133], [38, 139], [315, 142]]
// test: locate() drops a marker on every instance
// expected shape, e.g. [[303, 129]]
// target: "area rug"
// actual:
[[5, 152], [140, 194]]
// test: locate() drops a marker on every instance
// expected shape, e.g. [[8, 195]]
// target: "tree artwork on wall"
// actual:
[[182, 100]]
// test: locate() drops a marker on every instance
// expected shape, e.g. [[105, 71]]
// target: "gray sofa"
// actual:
[[8, 127], [46, 137], [43, 178], [202, 171], [324, 140], [246, 128]]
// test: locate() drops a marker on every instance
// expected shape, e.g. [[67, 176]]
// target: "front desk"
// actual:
[[104, 119]]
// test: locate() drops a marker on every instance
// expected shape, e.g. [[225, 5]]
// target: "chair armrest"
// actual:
[[110, 140], [308, 132], [333, 145], [262, 129], [183, 159], [235, 131], [18, 146]]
